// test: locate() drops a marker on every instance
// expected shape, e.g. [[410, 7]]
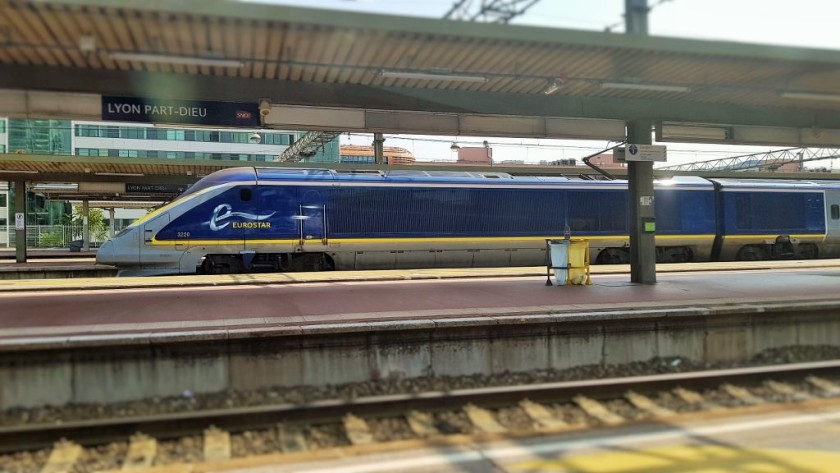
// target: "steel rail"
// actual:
[[99, 431]]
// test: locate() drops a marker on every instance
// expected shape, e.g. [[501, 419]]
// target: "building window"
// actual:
[[103, 152], [2, 222], [132, 133], [88, 130], [2, 126], [2, 200], [178, 135]]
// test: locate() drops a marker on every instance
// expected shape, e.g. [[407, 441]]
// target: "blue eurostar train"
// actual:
[[279, 219]]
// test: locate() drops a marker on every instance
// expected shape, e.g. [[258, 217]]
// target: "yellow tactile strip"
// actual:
[[370, 275]]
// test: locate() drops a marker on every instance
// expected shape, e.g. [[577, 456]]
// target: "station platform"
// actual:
[[83, 310], [55, 268], [47, 253]]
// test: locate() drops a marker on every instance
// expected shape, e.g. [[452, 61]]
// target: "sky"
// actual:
[[804, 23]]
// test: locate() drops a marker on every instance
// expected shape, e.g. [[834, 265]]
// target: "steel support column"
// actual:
[[20, 234], [640, 174], [378, 149], [640, 182], [111, 213], [85, 226]]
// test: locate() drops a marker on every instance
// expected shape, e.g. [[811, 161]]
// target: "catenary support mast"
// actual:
[[640, 173]]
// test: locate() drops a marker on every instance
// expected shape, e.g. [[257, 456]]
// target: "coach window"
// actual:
[[245, 195], [835, 212]]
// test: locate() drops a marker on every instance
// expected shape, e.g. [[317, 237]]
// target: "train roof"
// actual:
[[451, 177], [779, 184], [410, 176]]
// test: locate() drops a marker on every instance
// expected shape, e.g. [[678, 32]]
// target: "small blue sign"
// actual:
[[181, 112]]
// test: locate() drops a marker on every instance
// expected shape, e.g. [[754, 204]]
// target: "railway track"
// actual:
[[510, 410]]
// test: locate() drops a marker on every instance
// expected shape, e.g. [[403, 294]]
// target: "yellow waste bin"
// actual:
[[579, 262]]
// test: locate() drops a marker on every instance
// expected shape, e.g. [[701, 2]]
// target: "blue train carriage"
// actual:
[[777, 219], [278, 219]]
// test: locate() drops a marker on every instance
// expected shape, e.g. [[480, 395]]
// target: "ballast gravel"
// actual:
[[190, 449]]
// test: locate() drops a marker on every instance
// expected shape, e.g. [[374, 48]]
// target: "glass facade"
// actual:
[[171, 134], [40, 136], [189, 155]]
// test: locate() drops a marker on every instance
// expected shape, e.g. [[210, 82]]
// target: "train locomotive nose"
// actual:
[[105, 254]]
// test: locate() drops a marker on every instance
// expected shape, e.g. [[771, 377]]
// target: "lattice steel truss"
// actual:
[[769, 161], [307, 145]]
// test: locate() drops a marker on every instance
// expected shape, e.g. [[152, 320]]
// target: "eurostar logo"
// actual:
[[224, 212]]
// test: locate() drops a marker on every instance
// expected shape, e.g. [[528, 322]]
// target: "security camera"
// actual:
[[265, 107], [255, 138]]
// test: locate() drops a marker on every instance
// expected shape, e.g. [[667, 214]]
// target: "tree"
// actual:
[[96, 223]]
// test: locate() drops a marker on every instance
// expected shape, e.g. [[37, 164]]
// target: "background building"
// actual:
[[130, 140], [361, 154]]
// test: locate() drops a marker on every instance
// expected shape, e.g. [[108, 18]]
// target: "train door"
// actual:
[[832, 224], [312, 221], [149, 256]]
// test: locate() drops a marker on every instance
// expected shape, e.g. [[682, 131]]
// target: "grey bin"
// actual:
[[559, 257], [76, 245]]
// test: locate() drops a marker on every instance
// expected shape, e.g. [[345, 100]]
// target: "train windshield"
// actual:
[[220, 177]]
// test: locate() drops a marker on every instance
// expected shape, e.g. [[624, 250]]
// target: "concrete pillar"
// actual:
[[640, 174], [378, 148], [85, 226], [113, 223], [640, 182], [636, 17], [20, 233]]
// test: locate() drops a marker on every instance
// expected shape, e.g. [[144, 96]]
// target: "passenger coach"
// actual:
[[276, 219]]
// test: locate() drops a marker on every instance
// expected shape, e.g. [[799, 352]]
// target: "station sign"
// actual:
[[180, 112], [20, 221], [634, 152], [154, 188]]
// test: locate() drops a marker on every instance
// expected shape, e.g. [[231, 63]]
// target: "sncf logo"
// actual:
[[241, 114]]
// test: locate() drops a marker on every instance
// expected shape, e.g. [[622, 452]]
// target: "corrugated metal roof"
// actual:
[[297, 45], [294, 44]]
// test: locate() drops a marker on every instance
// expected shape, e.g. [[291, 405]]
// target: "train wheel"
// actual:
[[221, 264], [677, 254], [208, 266], [613, 256], [808, 251], [751, 253]]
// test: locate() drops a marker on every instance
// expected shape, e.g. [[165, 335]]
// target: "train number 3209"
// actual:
[[183, 235]]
